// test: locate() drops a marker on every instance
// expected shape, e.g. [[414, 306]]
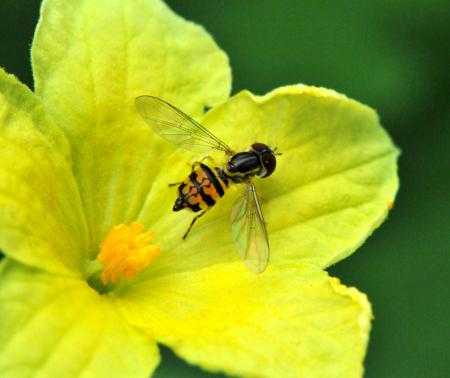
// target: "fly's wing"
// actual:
[[177, 127], [248, 231]]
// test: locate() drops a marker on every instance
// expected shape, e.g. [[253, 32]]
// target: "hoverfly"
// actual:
[[207, 183]]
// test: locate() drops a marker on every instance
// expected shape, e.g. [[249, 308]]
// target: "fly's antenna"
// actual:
[[276, 153]]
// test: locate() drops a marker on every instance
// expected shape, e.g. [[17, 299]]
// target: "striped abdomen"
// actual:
[[201, 189]]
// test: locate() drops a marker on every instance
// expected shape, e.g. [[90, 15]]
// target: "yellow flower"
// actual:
[[78, 167]]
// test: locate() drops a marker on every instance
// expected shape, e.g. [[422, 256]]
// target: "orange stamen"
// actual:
[[126, 252]]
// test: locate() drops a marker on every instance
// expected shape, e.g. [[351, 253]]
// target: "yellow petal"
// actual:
[[41, 217], [91, 59], [291, 321], [55, 326], [333, 185]]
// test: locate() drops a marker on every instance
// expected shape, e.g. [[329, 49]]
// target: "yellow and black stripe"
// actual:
[[201, 189]]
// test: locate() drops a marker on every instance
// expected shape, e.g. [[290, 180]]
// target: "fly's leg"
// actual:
[[196, 164], [207, 158], [192, 223]]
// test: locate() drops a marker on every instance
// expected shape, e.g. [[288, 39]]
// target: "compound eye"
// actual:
[[270, 162], [260, 147]]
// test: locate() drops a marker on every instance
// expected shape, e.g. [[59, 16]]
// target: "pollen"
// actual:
[[125, 252]]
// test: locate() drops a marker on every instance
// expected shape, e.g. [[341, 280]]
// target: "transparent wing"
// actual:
[[177, 127], [248, 231]]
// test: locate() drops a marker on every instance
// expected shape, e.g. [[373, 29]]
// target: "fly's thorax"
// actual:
[[259, 160], [242, 165]]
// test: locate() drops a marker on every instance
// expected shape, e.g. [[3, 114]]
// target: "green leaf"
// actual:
[[41, 218], [292, 319], [54, 325], [91, 59]]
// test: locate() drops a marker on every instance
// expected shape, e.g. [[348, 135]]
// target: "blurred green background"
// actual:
[[391, 55]]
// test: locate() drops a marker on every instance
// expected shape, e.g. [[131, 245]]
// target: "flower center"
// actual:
[[125, 252]]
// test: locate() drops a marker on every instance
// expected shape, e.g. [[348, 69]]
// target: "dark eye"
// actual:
[[269, 162], [260, 147]]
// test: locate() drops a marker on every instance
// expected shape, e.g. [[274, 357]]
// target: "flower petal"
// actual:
[[41, 218], [53, 324], [333, 185], [292, 319], [91, 59]]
